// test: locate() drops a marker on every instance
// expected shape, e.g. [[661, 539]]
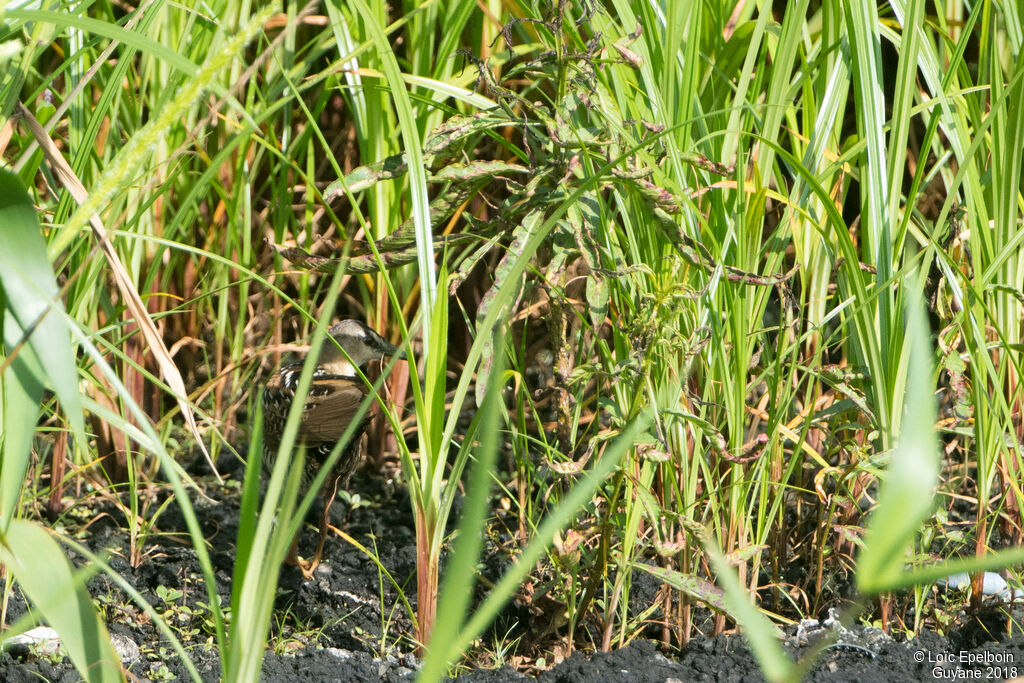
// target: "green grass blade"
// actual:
[[22, 391], [137, 149], [457, 588], [54, 588], [414, 154], [757, 629], [905, 499], [29, 292], [557, 519]]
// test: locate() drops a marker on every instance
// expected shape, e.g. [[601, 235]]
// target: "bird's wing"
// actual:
[[330, 408]]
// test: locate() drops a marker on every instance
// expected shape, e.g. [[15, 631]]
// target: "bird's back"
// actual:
[[330, 407]]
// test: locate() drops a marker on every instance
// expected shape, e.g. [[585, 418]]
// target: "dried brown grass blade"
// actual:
[[168, 370]]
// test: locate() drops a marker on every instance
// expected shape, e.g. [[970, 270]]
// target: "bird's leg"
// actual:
[[325, 523], [293, 552]]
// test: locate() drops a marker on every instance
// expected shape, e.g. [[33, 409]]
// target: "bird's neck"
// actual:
[[339, 366]]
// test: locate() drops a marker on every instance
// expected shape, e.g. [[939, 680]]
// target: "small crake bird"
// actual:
[[334, 397]]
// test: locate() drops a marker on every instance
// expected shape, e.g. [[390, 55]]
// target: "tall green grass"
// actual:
[[707, 219]]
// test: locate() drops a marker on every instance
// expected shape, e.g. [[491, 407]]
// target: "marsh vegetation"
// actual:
[[712, 314]]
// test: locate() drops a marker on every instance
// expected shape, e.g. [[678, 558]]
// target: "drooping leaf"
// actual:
[[521, 236]]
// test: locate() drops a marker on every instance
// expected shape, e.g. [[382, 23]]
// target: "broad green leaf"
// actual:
[[59, 595], [31, 307], [22, 392]]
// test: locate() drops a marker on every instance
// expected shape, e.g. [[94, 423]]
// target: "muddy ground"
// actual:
[[333, 628]]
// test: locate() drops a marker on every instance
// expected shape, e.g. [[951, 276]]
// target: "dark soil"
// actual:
[[348, 624]]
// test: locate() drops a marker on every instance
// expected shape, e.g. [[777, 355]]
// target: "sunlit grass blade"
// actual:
[[413, 149], [145, 435], [124, 283], [456, 591], [906, 496]]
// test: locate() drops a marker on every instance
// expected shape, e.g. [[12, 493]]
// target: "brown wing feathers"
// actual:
[[331, 408], [333, 400], [331, 404]]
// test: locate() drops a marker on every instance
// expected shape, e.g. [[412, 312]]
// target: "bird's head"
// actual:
[[360, 343]]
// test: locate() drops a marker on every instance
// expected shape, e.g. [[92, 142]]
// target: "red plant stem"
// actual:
[[427, 560]]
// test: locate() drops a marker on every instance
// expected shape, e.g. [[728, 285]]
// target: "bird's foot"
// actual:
[[307, 567]]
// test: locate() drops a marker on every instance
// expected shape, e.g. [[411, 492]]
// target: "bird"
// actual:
[[335, 395]]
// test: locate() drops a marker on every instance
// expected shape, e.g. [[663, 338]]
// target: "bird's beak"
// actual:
[[394, 351]]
